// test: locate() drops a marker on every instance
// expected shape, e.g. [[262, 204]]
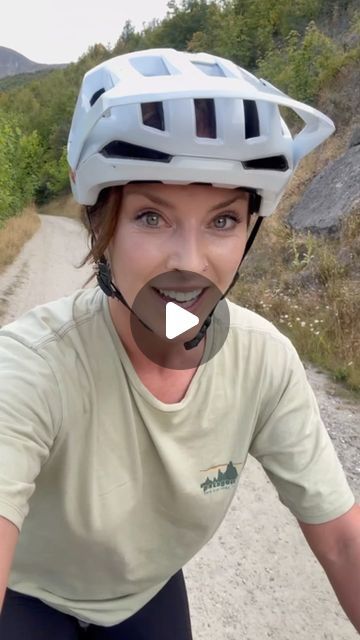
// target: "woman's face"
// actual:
[[179, 238]]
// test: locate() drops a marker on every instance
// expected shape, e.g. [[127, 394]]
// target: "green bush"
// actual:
[[20, 161], [304, 65], [53, 179]]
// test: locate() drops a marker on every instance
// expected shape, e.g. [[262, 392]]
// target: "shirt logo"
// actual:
[[225, 479]]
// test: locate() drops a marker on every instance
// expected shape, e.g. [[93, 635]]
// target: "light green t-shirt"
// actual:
[[114, 490]]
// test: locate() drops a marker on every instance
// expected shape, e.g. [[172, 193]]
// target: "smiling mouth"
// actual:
[[184, 299]]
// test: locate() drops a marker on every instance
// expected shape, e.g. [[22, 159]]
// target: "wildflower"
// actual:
[[303, 323], [317, 333]]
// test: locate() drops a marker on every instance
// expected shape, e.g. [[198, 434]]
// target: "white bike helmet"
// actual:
[[140, 116]]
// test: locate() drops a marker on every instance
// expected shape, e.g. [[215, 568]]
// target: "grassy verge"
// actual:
[[14, 233], [308, 286], [64, 205]]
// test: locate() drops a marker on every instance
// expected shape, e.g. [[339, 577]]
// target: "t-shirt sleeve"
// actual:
[[295, 450], [30, 414]]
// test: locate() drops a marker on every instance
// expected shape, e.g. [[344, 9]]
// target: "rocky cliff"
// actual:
[[332, 195]]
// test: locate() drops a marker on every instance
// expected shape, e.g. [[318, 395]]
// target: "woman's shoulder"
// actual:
[[52, 320], [247, 322], [253, 346], [257, 341]]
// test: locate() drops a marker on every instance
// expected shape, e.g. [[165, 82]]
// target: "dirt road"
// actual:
[[257, 578]]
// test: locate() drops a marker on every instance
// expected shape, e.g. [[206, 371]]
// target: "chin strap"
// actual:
[[109, 287]]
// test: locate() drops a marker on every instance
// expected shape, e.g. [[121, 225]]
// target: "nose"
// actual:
[[187, 251]]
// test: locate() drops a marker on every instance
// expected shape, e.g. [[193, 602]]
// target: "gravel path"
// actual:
[[257, 578]]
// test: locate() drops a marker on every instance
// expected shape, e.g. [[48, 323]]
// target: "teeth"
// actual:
[[181, 296]]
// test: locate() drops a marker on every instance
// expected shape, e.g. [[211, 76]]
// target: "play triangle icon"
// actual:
[[178, 320]]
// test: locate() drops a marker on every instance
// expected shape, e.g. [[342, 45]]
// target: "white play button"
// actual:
[[161, 327], [178, 320]]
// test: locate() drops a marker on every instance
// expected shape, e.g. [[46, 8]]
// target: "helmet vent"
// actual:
[[153, 115], [205, 118], [252, 125], [210, 69], [96, 96], [273, 163], [149, 66], [121, 149]]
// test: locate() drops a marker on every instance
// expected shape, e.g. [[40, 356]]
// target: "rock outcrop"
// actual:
[[332, 195]]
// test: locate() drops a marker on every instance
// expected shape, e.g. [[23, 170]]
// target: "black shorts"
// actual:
[[165, 617]]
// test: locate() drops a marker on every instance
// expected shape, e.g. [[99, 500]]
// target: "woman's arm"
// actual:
[[9, 534], [336, 544]]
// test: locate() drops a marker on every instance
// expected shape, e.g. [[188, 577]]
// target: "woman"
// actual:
[[122, 448]]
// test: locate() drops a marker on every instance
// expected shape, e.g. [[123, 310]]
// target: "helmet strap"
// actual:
[[109, 287], [252, 237]]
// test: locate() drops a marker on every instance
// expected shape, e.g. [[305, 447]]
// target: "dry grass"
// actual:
[[14, 233], [324, 325], [64, 205]]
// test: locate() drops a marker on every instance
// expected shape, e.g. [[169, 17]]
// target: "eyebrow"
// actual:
[[226, 203], [158, 200]]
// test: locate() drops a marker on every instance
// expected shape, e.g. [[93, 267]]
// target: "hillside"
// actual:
[[13, 63]]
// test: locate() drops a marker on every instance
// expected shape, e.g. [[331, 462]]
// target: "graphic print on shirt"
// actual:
[[223, 480]]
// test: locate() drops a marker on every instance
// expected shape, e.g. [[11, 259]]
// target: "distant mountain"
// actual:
[[12, 63]]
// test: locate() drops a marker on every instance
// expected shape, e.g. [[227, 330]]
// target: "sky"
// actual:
[[53, 31]]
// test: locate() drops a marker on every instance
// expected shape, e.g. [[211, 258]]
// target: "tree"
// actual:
[[129, 40], [303, 66], [180, 24], [20, 161]]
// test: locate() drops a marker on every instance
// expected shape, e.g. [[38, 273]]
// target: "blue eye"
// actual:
[[150, 218], [223, 219]]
